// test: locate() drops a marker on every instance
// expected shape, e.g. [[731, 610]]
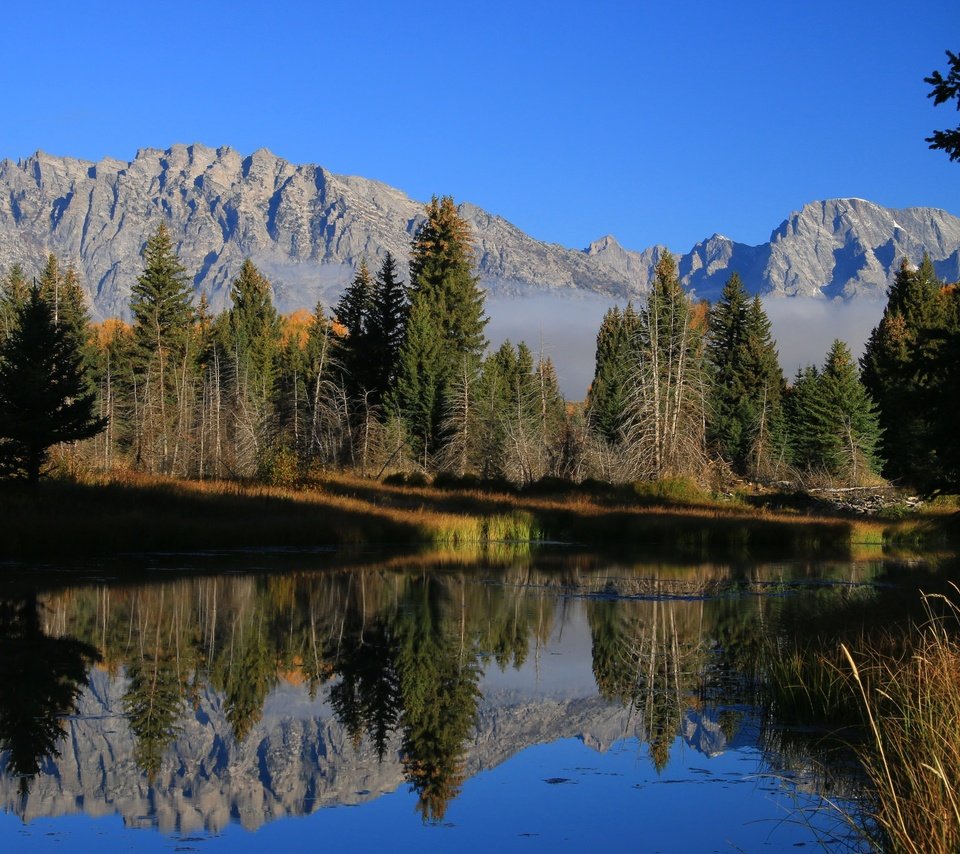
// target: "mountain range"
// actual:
[[308, 229]]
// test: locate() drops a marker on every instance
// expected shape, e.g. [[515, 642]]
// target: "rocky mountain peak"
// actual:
[[308, 229]]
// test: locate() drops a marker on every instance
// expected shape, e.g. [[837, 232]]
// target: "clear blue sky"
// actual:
[[655, 122]]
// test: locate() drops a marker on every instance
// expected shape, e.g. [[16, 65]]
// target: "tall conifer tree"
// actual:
[[163, 314], [900, 368], [831, 419], [45, 396], [353, 311], [666, 427], [446, 320], [13, 294], [387, 320], [746, 380], [615, 360]]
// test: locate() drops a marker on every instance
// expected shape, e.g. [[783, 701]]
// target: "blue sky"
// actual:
[[658, 123]]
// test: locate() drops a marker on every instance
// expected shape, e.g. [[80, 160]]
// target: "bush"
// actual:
[[279, 467], [672, 490]]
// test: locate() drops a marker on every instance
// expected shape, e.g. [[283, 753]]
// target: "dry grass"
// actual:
[[912, 709], [128, 511]]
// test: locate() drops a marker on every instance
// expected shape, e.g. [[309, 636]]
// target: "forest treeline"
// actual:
[[396, 379]]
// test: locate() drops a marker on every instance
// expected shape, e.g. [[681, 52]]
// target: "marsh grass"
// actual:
[[911, 706]]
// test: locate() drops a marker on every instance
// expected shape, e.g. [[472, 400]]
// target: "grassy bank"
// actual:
[[111, 514]]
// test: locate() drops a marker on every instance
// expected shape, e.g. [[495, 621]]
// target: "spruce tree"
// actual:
[[163, 314], [808, 431], [946, 418], [729, 417], [161, 300], [353, 311], [446, 320], [832, 422], [61, 289], [616, 355], [45, 396], [421, 383], [944, 90], [746, 382], [253, 332], [385, 328], [13, 294], [854, 424], [766, 386], [666, 427], [900, 370], [248, 345]]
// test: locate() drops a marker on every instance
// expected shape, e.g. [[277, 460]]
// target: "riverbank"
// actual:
[[112, 514]]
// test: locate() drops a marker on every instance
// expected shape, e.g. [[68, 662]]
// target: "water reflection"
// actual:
[[41, 678], [246, 697]]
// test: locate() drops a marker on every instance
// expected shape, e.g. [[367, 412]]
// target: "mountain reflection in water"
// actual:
[[204, 700]]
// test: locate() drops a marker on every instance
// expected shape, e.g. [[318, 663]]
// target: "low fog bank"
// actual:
[[805, 328], [565, 326], [566, 329]]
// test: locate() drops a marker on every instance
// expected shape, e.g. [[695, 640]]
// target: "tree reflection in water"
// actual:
[[398, 650], [42, 678]]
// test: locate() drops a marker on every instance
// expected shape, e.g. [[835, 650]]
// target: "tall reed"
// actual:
[[911, 705]]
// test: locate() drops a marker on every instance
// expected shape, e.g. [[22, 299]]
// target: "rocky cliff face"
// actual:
[[308, 229]]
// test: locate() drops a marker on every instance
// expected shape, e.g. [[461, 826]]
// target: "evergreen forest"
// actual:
[[397, 380]]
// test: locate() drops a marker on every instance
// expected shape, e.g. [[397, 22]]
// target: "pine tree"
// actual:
[[807, 421], [551, 419], [45, 397], [946, 391], [419, 392], [946, 89], [161, 299], [42, 678], [726, 356], [492, 402], [766, 386], [253, 326], [446, 319], [61, 289]]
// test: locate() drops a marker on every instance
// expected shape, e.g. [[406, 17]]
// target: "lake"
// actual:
[[520, 701]]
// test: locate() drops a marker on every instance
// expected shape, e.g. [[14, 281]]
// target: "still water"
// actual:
[[402, 702]]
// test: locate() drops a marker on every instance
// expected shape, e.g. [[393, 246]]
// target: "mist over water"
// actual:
[[565, 328]]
